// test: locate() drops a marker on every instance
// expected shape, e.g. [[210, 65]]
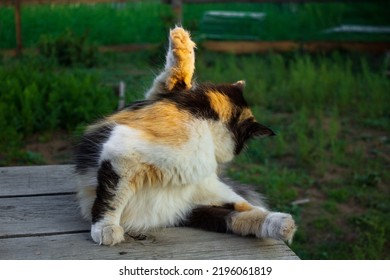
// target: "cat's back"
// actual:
[[168, 132]]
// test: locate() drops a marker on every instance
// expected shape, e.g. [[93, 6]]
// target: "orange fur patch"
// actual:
[[221, 104], [180, 73], [161, 123], [242, 206], [248, 222], [245, 114], [145, 175], [148, 175]]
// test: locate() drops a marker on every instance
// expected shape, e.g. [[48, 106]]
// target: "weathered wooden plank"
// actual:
[[327, 46], [48, 226], [128, 47], [11, 2], [243, 47], [20, 216], [255, 1], [170, 243], [35, 180]]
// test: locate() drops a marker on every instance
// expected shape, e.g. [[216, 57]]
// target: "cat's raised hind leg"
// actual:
[[223, 210], [260, 222], [179, 65], [252, 221]]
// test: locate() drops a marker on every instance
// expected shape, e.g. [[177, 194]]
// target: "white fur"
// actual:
[[96, 232], [186, 164], [184, 167], [107, 234], [278, 226], [222, 141], [157, 207]]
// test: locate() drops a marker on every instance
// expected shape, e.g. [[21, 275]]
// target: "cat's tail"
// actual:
[[86, 192], [86, 157], [247, 192]]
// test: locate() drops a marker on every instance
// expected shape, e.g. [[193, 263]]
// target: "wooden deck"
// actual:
[[39, 219]]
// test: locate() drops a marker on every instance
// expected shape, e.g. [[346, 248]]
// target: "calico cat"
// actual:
[[156, 163]]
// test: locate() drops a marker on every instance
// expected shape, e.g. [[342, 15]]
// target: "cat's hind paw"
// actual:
[[278, 226], [181, 59], [180, 40], [107, 235]]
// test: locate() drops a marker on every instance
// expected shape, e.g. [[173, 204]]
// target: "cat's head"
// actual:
[[229, 102]]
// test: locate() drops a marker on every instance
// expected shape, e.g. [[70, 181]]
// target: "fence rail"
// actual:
[[12, 2], [177, 10]]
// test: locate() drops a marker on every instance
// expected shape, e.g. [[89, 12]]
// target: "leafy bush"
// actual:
[[68, 49], [34, 99]]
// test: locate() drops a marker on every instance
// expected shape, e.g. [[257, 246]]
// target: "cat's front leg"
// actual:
[[179, 65], [112, 195], [104, 234]]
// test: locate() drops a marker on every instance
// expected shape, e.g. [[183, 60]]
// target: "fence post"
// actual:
[[122, 95], [177, 7], [18, 27]]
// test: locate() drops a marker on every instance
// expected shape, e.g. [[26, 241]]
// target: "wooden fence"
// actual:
[[229, 46]]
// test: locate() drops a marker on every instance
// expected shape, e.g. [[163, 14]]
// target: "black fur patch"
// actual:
[[180, 85], [234, 92], [107, 184], [87, 151], [212, 218], [138, 105], [196, 102], [245, 130]]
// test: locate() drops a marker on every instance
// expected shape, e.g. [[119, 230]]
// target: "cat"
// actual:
[[157, 162]]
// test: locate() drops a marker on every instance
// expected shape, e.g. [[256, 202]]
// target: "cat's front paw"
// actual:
[[278, 226], [107, 234]]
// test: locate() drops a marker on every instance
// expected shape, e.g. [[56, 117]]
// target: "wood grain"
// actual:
[[37, 180], [21, 216], [170, 243], [39, 219]]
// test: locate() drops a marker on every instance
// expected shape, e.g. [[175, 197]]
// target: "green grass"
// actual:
[[149, 21], [37, 97]]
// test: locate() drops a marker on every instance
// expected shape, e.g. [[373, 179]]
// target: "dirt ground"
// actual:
[[57, 148]]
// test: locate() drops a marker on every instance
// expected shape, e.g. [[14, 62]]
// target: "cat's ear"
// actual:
[[240, 84], [259, 130]]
